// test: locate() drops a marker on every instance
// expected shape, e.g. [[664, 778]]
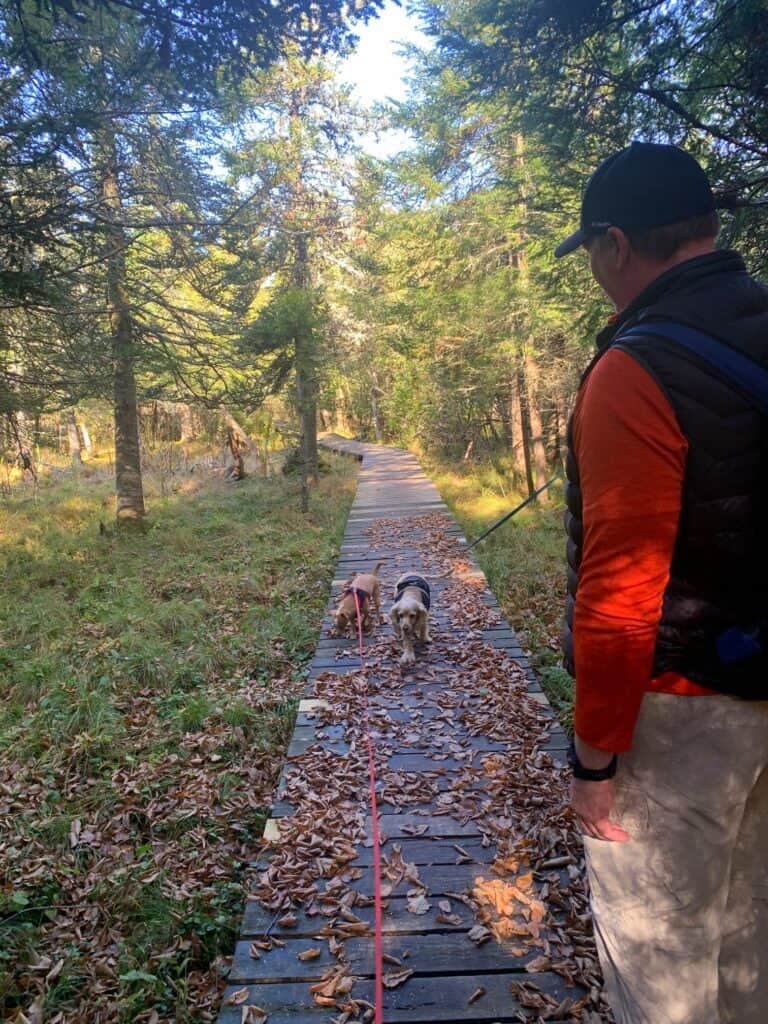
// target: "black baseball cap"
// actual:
[[646, 185]]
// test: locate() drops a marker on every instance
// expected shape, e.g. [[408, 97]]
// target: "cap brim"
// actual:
[[571, 243]]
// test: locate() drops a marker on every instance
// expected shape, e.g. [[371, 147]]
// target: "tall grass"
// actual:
[[147, 689], [524, 561]]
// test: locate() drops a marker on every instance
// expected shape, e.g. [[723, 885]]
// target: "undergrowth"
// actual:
[[148, 689], [524, 561]]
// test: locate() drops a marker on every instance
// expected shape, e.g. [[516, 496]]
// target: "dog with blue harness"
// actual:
[[409, 614]]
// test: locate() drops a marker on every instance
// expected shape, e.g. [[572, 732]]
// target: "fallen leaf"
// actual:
[[236, 997], [452, 919], [479, 934], [253, 1015], [415, 830], [417, 904], [54, 972], [309, 954], [325, 1000], [393, 979]]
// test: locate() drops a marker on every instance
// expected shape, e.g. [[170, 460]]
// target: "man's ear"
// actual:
[[620, 247]]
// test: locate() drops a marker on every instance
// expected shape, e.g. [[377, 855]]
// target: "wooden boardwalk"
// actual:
[[485, 914]]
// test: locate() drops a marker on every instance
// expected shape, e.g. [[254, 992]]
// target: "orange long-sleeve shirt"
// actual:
[[631, 455]]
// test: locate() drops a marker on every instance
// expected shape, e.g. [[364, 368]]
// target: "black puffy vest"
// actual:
[[719, 571]]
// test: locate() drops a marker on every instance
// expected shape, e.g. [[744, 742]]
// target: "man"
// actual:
[[668, 561]]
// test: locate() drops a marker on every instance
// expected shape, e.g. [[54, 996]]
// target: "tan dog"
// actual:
[[409, 614], [366, 584]]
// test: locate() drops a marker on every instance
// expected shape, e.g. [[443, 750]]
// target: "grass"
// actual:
[[524, 561], [148, 689]]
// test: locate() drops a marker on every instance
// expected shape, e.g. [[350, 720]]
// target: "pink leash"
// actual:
[[378, 951]]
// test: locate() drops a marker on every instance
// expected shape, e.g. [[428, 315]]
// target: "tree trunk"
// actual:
[[375, 395], [504, 409], [516, 421], [537, 432], [73, 437], [20, 440], [129, 489], [306, 378], [238, 430], [301, 402], [525, 429], [237, 449], [86, 438], [186, 422]]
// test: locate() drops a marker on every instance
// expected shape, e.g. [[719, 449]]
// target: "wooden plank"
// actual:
[[422, 852], [438, 878], [427, 955], [397, 918], [448, 966], [422, 1000], [430, 851], [396, 826]]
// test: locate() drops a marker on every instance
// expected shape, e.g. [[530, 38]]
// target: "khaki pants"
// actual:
[[681, 911]]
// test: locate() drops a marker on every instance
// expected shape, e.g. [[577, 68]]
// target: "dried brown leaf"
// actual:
[[479, 934], [393, 979], [309, 954], [237, 997], [417, 904], [253, 1015]]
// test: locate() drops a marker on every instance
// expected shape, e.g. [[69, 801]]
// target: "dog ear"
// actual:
[[422, 619], [394, 618]]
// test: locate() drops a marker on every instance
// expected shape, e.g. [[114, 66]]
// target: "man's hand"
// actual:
[[592, 803]]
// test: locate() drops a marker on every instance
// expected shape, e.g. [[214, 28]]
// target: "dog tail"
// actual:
[[375, 570]]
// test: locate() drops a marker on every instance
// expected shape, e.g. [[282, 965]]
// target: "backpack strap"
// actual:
[[747, 375]]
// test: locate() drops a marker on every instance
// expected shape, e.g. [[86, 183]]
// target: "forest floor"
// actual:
[[147, 692], [524, 561]]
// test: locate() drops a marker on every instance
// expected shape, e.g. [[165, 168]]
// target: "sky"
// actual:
[[377, 71]]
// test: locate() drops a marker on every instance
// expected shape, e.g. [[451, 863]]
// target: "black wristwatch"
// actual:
[[590, 774]]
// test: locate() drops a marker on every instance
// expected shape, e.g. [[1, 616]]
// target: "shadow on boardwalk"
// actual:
[[485, 915]]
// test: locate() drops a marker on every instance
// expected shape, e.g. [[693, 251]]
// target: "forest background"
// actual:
[[201, 265]]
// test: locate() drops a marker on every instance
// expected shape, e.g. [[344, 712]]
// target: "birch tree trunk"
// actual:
[[75, 451], [186, 422], [87, 443]]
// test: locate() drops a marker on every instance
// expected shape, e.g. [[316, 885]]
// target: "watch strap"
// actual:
[[590, 774]]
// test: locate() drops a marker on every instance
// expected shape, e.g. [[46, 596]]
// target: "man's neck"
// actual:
[[647, 271]]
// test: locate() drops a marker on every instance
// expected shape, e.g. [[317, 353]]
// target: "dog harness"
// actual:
[[414, 581], [362, 595]]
